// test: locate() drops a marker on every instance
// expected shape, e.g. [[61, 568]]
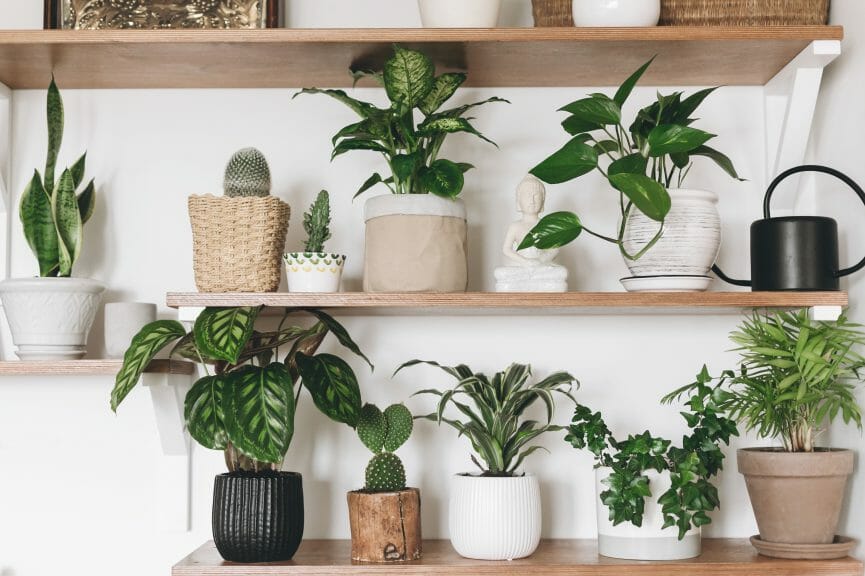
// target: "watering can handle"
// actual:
[[825, 170]]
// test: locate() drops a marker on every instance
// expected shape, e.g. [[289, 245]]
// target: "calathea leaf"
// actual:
[[647, 195], [408, 77], [333, 386], [340, 332], [574, 159], [625, 89], [553, 231], [55, 133], [185, 348], [674, 139], [144, 346], [443, 88], [67, 220], [630, 164], [718, 158], [38, 221], [362, 109], [222, 333], [87, 202], [204, 413], [597, 109], [442, 178]]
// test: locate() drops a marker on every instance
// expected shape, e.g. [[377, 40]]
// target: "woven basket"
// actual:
[[744, 12], [550, 13], [237, 243]]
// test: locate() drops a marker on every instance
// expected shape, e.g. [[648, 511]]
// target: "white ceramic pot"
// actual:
[[617, 13], [123, 320], [313, 271], [415, 243], [691, 239], [495, 518], [650, 541], [50, 318], [459, 13]]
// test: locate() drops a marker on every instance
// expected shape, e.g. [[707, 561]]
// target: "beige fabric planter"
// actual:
[[415, 243]]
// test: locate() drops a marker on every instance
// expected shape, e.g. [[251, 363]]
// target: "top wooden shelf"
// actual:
[[292, 58]]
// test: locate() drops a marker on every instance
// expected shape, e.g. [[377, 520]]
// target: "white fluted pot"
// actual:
[[615, 13], [495, 518]]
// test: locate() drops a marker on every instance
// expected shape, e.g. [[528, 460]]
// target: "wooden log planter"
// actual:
[[385, 526]]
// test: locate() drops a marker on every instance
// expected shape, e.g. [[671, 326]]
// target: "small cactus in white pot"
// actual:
[[314, 269]]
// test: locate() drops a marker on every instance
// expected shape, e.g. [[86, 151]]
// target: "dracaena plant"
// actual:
[[53, 212], [246, 403], [692, 466], [500, 434], [410, 132], [640, 162]]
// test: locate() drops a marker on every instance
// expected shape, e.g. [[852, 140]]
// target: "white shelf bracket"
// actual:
[[5, 178], [825, 313]]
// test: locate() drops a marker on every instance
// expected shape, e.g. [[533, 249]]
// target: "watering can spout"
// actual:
[[720, 274]]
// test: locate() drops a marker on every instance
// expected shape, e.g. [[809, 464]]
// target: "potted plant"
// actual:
[[246, 407], [459, 13], [385, 515], [315, 270], [669, 236], [416, 236], [238, 239], [652, 496], [50, 316], [623, 13], [496, 515]]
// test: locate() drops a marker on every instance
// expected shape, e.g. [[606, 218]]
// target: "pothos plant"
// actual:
[[410, 145], [642, 161], [496, 426], [246, 403], [692, 466]]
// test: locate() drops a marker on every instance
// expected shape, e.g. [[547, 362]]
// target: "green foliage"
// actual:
[[247, 174], [692, 466], [316, 222], [643, 161], [383, 433], [500, 436], [247, 407], [52, 213], [385, 473], [411, 149]]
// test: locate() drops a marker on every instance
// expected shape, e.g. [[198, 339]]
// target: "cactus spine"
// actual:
[[383, 433], [316, 222], [247, 174]]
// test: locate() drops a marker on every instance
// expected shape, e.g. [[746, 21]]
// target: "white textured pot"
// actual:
[[415, 243], [495, 518], [614, 13], [123, 320], [650, 541], [691, 239], [50, 317], [459, 13], [313, 271]]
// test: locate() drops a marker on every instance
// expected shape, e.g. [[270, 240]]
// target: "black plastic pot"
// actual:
[[258, 517]]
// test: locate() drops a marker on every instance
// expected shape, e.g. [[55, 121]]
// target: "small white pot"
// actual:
[[650, 541], [50, 318], [123, 320], [459, 13], [495, 518], [617, 13], [313, 271]]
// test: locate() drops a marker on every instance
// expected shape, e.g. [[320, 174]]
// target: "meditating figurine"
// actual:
[[531, 269]]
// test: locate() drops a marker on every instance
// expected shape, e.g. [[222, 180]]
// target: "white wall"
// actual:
[[82, 479]]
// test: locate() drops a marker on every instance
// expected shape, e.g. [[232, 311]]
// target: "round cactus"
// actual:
[[247, 174], [372, 427], [385, 473], [399, 426]]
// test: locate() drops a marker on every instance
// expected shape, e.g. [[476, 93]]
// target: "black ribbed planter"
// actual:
[[258, 517]]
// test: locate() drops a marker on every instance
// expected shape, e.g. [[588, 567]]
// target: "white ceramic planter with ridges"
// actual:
[[459, 13], [50, 318], [615, 13], [495, 518], [650, 541], [313, 271]]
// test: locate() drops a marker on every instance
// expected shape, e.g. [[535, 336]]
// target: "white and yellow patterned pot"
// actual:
[[313, 271]]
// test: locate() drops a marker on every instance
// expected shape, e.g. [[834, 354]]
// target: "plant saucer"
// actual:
[[840, 548], [666, 283]]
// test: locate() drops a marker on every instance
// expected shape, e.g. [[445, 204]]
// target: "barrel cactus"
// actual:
[[383, 433], [247, 174]]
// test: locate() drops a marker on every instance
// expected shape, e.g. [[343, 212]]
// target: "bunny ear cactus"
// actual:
[[53, 214], [247, 174], [383, 433]]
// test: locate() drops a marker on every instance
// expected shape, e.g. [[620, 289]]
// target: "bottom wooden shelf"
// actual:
[[721, 557]]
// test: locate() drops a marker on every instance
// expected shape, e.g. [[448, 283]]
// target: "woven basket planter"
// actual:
[[550, 13], [744, 12], [237, 243]]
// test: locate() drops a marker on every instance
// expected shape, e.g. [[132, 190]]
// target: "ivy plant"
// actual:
[[246, 402], [410, 132], [692, 466], [642, 161]]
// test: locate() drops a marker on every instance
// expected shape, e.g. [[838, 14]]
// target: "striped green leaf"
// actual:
[[55, 133], [38, 221], [77, 170], [408, 77], [333, 386], [340, 332], [87, 202], [67, 220], [443, 88], [222, 333], [203, 412]]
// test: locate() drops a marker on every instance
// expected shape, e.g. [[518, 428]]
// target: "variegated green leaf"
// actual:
[[67, 220], [203, 412], [77, 170], [223, 332], [38, 221], [443, 88], [87, 202], [333, 386], [450, 126], [442, 178], [408, 77], [54, 109]]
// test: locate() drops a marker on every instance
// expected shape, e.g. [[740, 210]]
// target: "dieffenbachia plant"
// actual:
[[410, 148], [53, 213], [642, 161], [246, 406]]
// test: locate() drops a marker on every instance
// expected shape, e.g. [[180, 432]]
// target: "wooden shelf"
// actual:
[[89, 367], [553, 558], [484, 303], [291, 58]]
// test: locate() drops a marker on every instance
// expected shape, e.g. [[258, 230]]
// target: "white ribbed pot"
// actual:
[[415, 243], [689, 244], [616, 13], [50, 318], [495, 518], [459, 13], [651, 541]]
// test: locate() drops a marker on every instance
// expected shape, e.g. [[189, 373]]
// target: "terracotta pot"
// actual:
[[797, 497], [385, 526]]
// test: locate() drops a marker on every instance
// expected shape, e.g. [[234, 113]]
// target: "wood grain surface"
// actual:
[[89, 367]]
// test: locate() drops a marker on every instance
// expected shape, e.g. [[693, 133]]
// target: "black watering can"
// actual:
[[795, 252]]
